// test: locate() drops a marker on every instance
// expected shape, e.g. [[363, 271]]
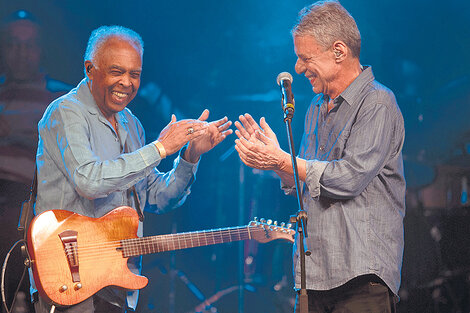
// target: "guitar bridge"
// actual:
[[69, 240]]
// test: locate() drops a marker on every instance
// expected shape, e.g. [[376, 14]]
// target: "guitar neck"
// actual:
[[161, 243]]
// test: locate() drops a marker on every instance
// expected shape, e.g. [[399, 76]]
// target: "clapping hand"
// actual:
[[257, 145], [215, 133], [177, 133]]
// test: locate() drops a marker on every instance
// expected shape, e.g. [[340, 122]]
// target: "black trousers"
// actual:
[[363, 294], [94, 304]]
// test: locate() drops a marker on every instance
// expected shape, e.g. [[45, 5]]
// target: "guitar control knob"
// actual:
[[289, 225], [262, 220], [283, 224], [269, 222], [275, 223], [78, 286], [63, 288], [255, 219]]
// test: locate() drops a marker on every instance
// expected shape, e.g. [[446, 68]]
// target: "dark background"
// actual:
[[225, 56]]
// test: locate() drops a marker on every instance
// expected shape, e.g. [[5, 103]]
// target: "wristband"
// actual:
[[160, 148]]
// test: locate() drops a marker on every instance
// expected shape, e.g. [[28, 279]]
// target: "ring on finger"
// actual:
[[190, 130]]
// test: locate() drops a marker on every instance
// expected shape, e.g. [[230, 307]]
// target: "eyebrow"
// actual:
[[303, 56], [117, 67]]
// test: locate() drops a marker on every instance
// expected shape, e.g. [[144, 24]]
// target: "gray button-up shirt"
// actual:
[[355, 188], [82, 165]]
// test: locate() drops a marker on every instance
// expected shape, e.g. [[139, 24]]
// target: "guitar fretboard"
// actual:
[[161, 243]]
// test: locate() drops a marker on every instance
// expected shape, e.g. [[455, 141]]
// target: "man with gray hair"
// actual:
[[350, 166], [92, 155]]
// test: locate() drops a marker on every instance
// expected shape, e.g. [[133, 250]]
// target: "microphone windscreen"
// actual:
[[283, 76]]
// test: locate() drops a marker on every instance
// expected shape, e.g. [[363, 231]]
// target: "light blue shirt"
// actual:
[[354, 192], [82, 166]]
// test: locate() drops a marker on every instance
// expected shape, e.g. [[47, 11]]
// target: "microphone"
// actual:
[[284, 80]]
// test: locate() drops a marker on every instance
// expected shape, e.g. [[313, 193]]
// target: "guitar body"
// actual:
[[74, 256]]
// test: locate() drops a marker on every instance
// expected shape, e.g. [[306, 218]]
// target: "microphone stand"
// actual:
[[301, 217]]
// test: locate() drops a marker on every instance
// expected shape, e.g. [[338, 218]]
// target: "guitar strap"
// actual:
[[27, 208], [136, 201], [132, 191]]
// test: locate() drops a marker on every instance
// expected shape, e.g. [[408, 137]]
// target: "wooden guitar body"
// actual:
[[100, 262]]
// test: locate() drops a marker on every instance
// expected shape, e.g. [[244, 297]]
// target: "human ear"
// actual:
[[340, 50], [89, 69]]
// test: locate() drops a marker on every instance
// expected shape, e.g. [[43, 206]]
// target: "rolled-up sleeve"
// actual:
[[314, 170]]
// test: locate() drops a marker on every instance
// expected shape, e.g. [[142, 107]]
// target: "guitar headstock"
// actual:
[[267, 230]]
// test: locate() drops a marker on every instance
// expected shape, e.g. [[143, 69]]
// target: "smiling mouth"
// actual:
[[119, 95]]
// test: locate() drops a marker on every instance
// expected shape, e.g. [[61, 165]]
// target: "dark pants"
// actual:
[[363, 294], [92, 305]]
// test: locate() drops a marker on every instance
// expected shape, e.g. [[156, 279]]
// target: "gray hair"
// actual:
[[100, 35], [328, 21]]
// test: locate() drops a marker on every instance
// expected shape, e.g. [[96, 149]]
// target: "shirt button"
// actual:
[[116, 139], [322, 148]]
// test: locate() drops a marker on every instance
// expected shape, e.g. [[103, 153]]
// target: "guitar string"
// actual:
[[107, 253], [180, 236], [167, 240], [141, 241]]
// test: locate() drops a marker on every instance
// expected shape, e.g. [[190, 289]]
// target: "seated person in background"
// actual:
[[25, 92]]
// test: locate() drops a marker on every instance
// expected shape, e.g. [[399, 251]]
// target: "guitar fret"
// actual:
[[180, 242], [135, 247], [165, 243], [215, 236], [157, 244], [146, 246], [141, 246], [220, 236], [212, 235], [187, 242]]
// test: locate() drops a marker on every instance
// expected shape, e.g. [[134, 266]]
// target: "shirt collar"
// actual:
[[353, 91], [85, 97]]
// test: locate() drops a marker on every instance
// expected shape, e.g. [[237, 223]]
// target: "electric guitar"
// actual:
[[74, 256]]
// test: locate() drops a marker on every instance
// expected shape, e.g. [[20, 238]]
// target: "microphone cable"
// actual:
[[4, 267]]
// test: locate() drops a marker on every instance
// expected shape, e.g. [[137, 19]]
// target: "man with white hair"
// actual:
[[350, 166], [92, 151]]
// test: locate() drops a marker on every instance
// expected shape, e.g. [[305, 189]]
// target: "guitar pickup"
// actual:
[[69, 240]]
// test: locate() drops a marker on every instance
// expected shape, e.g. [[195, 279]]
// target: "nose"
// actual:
[[299, 66], [126, 81]]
